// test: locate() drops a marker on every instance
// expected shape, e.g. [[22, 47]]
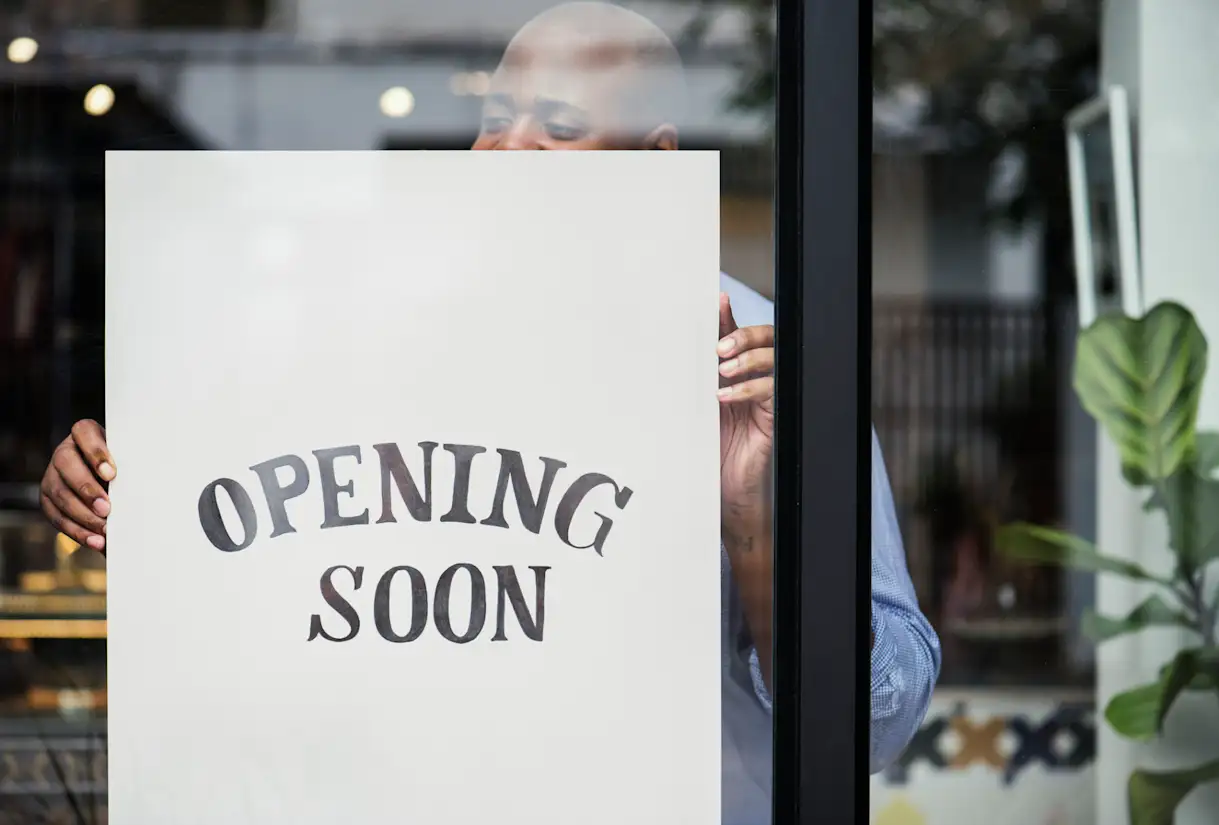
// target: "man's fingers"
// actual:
[[72, 508], [751, 363], [76, 475], [70, 528], [746, 338], [727, 322], [90, 440], [756, 389]]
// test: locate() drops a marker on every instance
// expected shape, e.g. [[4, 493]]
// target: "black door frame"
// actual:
[[823, 462]]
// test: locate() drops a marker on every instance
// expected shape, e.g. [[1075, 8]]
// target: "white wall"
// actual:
[[1179, 181], [1164, 53], [1126, 662]]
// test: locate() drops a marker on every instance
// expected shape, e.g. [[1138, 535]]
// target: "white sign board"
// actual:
[[417, 514]]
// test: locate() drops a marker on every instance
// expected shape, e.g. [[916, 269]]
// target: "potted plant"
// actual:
[[1141, 379]]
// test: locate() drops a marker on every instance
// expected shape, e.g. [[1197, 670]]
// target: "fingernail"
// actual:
[[724, 392], [728, 367], [101, 507], [725, 346], [106, 471], [96, 542]]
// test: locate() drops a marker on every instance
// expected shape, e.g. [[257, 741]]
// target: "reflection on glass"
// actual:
[[299, 75], [973, 330]]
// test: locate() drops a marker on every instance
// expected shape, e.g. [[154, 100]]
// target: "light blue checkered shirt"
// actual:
[[905, 657]]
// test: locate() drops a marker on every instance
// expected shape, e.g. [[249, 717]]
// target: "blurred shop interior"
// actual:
[[974, 286], [975, 318], [974, 321]]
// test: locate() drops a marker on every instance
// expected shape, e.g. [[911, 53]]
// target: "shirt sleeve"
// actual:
[[906, 651], [759, 684], [906, 654]]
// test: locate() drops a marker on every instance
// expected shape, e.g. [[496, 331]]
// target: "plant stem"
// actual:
[[1204, 615]]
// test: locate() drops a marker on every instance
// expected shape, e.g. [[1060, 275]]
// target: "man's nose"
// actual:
[[521, 137]]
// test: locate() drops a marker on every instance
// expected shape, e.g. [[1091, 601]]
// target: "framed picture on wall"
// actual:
[[1103, 206]]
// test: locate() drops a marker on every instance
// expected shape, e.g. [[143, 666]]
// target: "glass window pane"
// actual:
[[386, 75], [1040, 191]]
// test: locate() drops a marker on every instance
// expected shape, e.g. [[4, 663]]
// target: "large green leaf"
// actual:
[[1133, 713], [1153, 796], [1184, 671], [1153, 611], [1044, 545], [1141, 378], [1205, 462], [1206, 453], [1202, 681], [1191, 503], [1139, 713]]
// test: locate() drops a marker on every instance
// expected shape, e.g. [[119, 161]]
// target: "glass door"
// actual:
[[390, 76]]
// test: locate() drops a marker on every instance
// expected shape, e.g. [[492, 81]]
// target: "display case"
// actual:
[[52, 618], [52, 670]]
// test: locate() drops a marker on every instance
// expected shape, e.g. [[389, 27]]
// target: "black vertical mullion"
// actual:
[[822, 502], [786, 681]]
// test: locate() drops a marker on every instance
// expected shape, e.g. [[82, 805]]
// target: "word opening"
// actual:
[[288, 477]]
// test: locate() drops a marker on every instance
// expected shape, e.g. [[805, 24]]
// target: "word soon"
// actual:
[[508, 588], [531, 503]]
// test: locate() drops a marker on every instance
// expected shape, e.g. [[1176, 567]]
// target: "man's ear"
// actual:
[[662, 137]]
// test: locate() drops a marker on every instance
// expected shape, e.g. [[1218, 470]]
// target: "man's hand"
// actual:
[[747, 435], [747, 420], [73, 491]]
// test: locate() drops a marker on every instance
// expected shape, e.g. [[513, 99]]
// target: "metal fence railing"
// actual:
[[967, 403]]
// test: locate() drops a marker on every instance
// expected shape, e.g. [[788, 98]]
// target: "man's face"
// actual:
[[557, 89]]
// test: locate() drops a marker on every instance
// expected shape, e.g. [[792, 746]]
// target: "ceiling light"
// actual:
[[397, 102], [99, 99], [22, 49]]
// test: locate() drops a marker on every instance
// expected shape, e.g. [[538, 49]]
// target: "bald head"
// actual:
[[585, 75]]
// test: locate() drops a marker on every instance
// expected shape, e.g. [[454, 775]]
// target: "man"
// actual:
[[594, 76]]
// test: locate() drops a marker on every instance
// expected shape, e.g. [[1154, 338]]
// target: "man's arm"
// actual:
[[747, 545], [751, 558], [905, 649]]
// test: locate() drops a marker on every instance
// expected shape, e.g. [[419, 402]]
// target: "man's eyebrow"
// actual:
[[547, 107], [544, 107]]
